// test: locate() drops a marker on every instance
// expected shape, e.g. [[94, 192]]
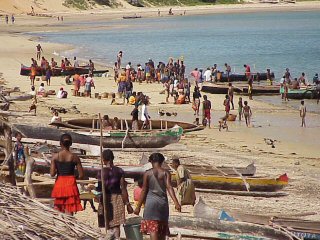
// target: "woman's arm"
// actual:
[[53, 169], [125, 196], [79, 166], [143, 194], [171, 192]]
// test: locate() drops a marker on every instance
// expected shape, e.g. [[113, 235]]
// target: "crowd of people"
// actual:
[[150, 194]]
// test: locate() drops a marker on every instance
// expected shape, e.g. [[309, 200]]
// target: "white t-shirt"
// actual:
[[76, 63], [128, 67], [59, 95], [41, 89], [144, 113], [207, 75]]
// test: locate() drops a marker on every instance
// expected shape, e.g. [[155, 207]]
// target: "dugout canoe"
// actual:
[[241, 77], [93, 123], [241, 89], [201, 228], [92, 167], [302, 94], [26, 71], [200, 180], [304, 229], [111, 139], [131, 17], [260, 184]]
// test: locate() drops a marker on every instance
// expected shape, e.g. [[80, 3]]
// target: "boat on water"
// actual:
[[240, 89], [303, 229], [302, 94], [241, 77], [131, 17], [26, 71], [111, 139], [93, 123]]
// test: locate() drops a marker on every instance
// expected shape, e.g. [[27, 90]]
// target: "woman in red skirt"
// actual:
[[65, 190]]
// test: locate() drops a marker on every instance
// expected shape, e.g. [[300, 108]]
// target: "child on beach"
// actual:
[[247, 113], [19, 155], [240, 107], [303, 113], [137, 191]]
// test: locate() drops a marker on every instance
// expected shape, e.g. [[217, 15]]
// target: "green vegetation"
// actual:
[[80, 4], [186, 2], [86, 4]]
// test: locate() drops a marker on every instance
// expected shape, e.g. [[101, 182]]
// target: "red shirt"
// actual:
[[248, 70]]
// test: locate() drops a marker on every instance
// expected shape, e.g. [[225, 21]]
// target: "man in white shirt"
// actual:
[[76, 62], [207, 75]]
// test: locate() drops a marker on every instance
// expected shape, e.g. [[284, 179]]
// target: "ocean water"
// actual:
[[263, 40]]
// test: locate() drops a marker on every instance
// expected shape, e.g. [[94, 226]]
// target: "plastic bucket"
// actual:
[[132, 231]]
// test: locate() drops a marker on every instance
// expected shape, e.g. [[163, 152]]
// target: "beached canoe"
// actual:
[[93, 123], [234, 183], [201, 228], [302, 94], [200, 180], [304, 229], [111, 139], [92, 167], [26, 71]]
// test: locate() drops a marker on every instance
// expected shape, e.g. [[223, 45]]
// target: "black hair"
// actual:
[[140, 182], [66, 140], [302, 102], [107, 155], [18, 133], [176, 160], [245, 102], [156, 157]]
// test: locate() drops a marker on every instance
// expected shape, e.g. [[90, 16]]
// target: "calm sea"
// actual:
[[262, 40]]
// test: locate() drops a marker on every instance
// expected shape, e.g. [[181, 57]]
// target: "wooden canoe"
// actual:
[[240, 89], [93, 123], [217, 229], [304, 229], [131, 17], [111, 139], [241, 77], [92, 168], [302, 94], [200, 180], [26, 71]]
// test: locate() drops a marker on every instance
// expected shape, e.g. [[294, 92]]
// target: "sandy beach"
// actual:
[[296, 152]]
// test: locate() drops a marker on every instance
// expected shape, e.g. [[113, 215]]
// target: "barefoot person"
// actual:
[[230, 94], [196, 100], [39, 50], [117, 195], [65, 190], [207, 111], [156, 183], [19, 155], [247, 113], [240, 108], [185, 187], [303, 113]]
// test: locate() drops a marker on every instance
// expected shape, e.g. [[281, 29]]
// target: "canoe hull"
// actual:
[[242, 77], [113, 140], [26, 71], [89, 123], [229, 230], [302, 94]]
